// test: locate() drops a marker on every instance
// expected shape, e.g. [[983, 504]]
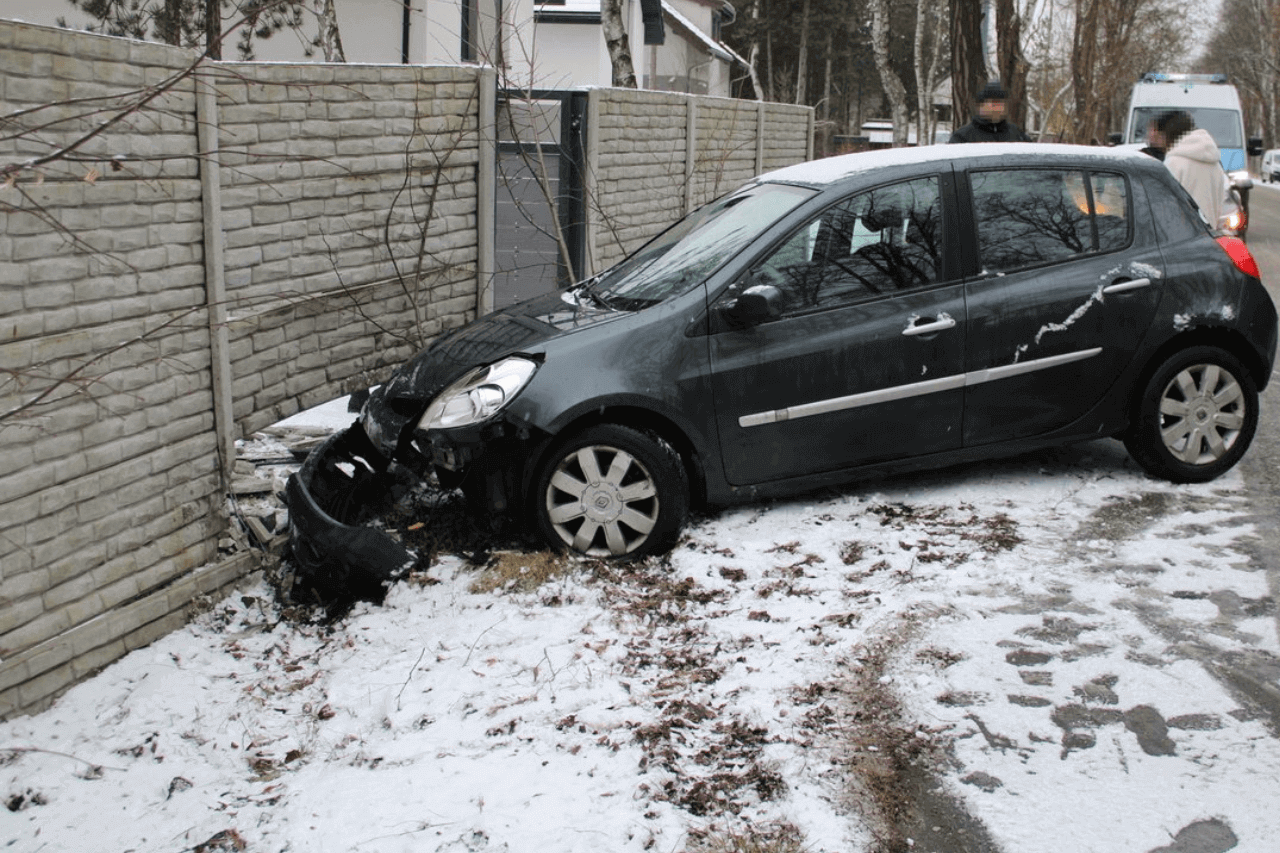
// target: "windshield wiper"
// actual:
[[590, 290]]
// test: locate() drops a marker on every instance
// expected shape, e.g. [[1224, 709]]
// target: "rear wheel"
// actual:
[[1196, 416], [612, 491]]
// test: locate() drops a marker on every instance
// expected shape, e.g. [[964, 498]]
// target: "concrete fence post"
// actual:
[[486, 189], [760, 117], [207, 145], [590, 171], [690, 150]]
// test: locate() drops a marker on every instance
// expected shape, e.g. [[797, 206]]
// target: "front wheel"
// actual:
[[612, 491], [1196, 416]]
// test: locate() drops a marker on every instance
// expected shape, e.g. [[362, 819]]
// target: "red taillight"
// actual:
[[1240, 255]]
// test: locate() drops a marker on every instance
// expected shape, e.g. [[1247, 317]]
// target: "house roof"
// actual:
[[690, 30], [589, 11]]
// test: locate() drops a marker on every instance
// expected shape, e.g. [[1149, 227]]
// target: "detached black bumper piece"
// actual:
[[338, 562]]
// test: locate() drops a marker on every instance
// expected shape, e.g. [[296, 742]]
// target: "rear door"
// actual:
[[1066, 291], [865, 362]]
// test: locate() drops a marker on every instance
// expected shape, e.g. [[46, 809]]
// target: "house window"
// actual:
[[481, 28], [470, 29]]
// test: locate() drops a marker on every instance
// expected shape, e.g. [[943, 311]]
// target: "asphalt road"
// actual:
[[1259, 679]]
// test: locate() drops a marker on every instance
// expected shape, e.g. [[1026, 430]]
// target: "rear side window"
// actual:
[[1032, 217]]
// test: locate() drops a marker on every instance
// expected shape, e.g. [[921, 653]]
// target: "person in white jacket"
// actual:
[[1195, 161]]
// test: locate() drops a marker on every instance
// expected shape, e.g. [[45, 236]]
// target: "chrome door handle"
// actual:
[[942, 321], [1123, 286]]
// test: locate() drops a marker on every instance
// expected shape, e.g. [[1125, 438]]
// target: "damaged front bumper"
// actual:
[[335, 556]]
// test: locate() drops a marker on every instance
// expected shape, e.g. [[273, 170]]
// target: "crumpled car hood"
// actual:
[[519, 328]]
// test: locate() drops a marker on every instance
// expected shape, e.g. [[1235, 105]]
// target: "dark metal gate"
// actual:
[[539, 221]]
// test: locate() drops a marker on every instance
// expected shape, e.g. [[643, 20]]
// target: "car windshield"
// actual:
[[691, 250], [1223, 125]]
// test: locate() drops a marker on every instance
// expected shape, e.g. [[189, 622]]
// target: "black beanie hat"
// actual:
[[993, 91]]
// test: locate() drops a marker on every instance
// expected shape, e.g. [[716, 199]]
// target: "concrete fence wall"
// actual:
[[190, 252], [207, 250]]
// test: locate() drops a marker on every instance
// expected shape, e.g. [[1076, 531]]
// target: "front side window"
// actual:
[[880, 242], [1033, 217]]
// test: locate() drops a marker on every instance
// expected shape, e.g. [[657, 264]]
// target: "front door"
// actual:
[[865, 362]]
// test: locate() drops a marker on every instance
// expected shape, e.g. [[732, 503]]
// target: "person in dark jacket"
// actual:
[[1156, 145], [990, 124]]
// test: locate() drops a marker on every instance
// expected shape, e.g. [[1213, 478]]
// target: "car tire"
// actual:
[[611, 491], [1196, 416]]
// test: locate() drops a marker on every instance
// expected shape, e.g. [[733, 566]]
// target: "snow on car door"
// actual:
[[1069, 285]]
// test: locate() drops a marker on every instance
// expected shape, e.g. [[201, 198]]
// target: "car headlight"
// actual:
[[478, 395]]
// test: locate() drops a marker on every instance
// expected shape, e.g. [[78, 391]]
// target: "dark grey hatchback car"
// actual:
[[877, 311]]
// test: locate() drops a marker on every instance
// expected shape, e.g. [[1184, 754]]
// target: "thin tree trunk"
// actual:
[[923, 93], [330, 38], [753, 55], [935, 63], [1083, 46], [213, 29], [826, 79], [968, 70], [169, 23], [768, 64], [802, 69], [893, 88], [1011, 64], [827, 132], [615, 37]]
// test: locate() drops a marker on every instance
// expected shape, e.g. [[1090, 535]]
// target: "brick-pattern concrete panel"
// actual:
[[109, 489], [643, 178], [349, 202]]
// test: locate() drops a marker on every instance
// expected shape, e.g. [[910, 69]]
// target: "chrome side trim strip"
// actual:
[[991, 374], [853, 401], [915, 389]]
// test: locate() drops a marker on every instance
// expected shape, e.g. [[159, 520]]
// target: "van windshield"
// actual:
[[691, 250], [1223, 125]]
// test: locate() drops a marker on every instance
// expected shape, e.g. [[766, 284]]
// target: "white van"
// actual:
[[1212, 102], [1270, 170]]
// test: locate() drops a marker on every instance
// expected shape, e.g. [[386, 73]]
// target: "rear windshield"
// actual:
[[1223, 125], [687, 253]]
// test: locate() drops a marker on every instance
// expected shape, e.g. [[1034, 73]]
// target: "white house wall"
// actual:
[[546, 55], [698, 13], [569, 56]]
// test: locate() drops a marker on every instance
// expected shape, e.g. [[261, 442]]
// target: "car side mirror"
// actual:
[[1255, 146], [1115, 138], [758, 304]]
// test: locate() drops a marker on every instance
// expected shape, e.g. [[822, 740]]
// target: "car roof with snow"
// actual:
[[832, 170]]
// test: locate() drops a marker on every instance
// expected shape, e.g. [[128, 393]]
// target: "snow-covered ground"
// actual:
[[1042, 630]]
